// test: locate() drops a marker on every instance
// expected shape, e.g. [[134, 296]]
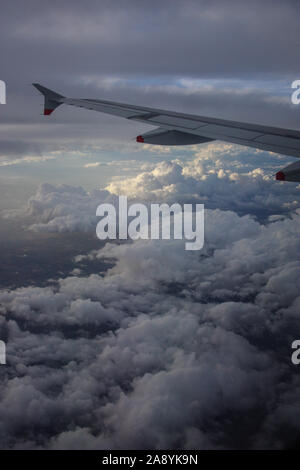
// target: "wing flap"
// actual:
[[162, 136]]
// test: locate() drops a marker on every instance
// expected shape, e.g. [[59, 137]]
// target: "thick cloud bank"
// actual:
[[168, 349], [221, 176]]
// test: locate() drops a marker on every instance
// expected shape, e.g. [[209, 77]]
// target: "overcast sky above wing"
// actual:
[[228, 59]]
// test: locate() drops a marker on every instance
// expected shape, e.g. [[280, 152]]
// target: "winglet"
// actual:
[[52, 99]]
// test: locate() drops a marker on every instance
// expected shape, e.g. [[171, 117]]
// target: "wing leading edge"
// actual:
[[183, 129]]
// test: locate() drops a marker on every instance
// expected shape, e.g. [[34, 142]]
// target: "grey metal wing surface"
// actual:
[[174, 128]]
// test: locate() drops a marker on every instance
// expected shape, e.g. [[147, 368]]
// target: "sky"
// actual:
[[144, 345]]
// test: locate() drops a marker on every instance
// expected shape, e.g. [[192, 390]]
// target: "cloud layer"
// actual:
[[220, 176], [168, 348]]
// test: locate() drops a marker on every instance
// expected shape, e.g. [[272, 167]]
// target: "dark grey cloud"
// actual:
[[199, 38], [161, 348], [11, 147], [167, 349]]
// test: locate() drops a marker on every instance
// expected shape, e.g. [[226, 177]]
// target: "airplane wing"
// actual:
[[183, 129]]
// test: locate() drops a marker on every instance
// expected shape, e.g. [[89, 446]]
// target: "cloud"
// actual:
[[63, 208], [93, 165], [100, 30], [222, 176], [165, 350], [28, 159]]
